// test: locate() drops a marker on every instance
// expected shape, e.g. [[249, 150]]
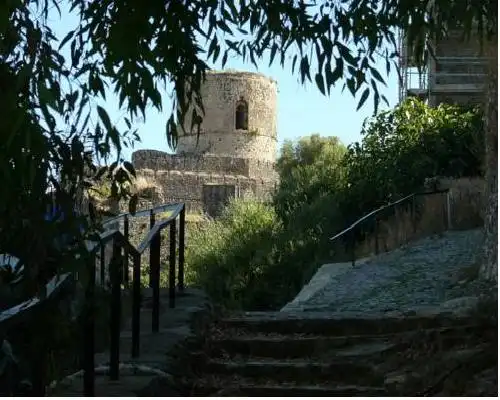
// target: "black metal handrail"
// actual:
[[142, 213], [373, 217], [122, 251], [21, 312], [121, 242], [26, 311]]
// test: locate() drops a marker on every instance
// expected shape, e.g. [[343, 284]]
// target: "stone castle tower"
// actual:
[[233, 156]]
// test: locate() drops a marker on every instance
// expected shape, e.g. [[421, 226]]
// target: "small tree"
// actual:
[[307, 169], [404, 146]]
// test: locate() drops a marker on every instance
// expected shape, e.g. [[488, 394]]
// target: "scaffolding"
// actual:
[[413, 79], [444, 77]]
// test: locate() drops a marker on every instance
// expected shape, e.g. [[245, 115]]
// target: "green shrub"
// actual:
[[404, 146], [229, 256], [247, 260], [308, 169]]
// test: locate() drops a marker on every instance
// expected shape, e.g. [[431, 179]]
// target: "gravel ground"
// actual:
[[422, 274]]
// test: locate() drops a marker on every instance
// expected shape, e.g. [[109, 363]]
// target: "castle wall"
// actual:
[[159, 160], [246, 145], [187, 186], [241, 159], [221, 93], [454, 45]]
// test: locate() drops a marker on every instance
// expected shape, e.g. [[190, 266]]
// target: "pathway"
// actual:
[[390, 326], [148, 375], [311, 354], [417, 276], [404, 323]]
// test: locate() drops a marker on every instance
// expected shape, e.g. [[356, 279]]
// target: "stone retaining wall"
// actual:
[[465, 203], [187, 186]]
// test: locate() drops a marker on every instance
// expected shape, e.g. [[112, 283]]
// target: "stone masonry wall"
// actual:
[[159, 160], [489, 269], [453, 47], [466, 201], [221, 93], [221, 154], [187, 186], [246, 145]]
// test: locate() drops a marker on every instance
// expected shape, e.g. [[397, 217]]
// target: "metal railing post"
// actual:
[[151, 224], [155, 283], [413, 215], [448, 211], [182, 229], [89, 332], [171, 272], [115, 319], [125, 250], [136, 306], [353, 248]]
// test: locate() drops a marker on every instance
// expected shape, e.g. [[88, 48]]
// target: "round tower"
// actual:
[[240, 117]]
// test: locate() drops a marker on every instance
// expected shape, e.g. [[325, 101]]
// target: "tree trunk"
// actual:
[[489, 269]]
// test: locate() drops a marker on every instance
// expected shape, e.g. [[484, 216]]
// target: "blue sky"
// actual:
[[302, 109]]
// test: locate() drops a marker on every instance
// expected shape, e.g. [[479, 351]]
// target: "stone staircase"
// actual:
[[317, 354], [404, 323]]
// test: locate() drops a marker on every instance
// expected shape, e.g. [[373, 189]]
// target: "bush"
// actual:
[[247, 260], [228, 257], [404, 146], [308, 169]]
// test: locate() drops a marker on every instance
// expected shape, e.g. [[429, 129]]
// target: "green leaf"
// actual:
[[377, 75], [223, 26], [363, 98], [216, 52], [100, 173], [345, 53], [351, 85], [320, 83], [224, 59], [66, 39], [115, 190], [103, 115], [304, 69], [274, 48], [212, 47], [92, 211], [294, 61]]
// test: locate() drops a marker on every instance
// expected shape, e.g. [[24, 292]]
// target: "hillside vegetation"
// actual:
[[258, 256]]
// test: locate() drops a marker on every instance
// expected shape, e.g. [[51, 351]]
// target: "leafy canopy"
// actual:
[[404, 146], [58, 126], [330, 42], [307, 168]]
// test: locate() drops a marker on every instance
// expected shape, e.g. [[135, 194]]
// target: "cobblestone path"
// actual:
[[423, 274]]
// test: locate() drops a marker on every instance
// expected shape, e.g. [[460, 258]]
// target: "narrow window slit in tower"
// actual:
[[242, 114]]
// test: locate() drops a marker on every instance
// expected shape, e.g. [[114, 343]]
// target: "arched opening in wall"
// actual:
[[241, 115]]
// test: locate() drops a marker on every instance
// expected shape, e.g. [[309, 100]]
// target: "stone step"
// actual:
[[304, 371], [126, 386], [323, 323], [297, 346], [286, 347], [249, 389]]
